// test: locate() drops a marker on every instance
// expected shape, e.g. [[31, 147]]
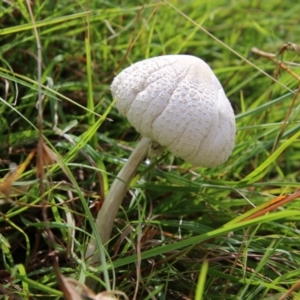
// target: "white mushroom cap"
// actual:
[[177, 101]]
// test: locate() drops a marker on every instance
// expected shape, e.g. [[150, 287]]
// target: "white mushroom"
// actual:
[[178, 102]]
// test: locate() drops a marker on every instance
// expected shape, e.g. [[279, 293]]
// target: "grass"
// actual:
[[181, 232]]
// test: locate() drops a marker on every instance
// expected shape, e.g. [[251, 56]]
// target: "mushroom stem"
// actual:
[[107, 214]]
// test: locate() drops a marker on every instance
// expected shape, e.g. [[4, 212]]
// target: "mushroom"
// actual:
[[177, 102]]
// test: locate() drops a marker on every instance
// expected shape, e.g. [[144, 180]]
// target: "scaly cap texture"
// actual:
[[177, 101]]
